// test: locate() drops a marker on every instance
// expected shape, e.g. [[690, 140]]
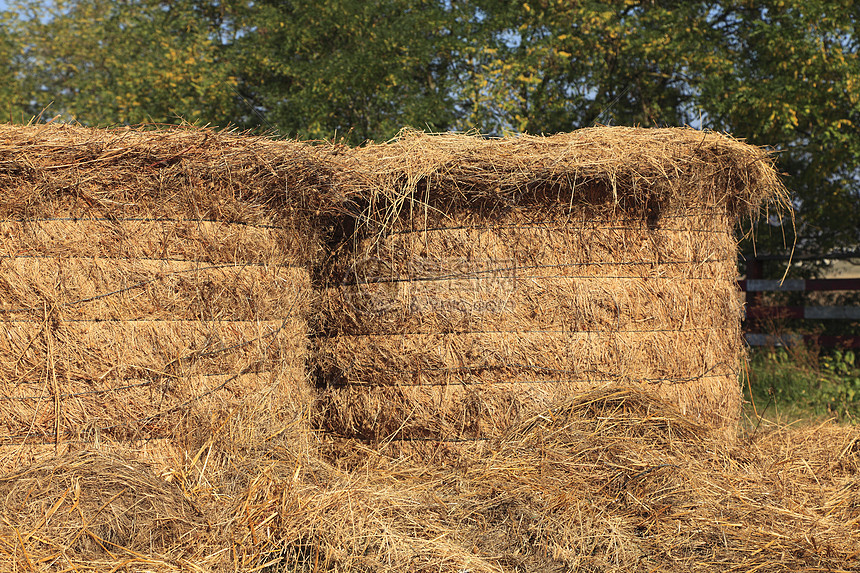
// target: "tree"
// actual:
[[792, 80], [13, 103], [783, 73], [363, 68], [103, 62], [553, 66], [298, 68]]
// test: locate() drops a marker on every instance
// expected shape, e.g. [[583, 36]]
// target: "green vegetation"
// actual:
[[797, 383], [100, 62]]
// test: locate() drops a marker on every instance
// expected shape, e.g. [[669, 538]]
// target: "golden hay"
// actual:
[[592, 225], [105, 289], [154, 284], [463, 264], [631, 169], [191, 174], [461, 331], [611, 480], [158, 239], [87, 508], [133, 348], [481, 280], [163, 455]]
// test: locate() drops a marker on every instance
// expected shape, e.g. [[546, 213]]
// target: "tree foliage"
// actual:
[[552, 65], [353, 66], [102, 62], [778, 73], [784, 73], [794, 83]]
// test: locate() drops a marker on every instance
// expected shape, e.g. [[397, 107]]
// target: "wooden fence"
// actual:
[[757, 312]]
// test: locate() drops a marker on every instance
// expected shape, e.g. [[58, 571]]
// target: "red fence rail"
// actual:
[[754, 286]]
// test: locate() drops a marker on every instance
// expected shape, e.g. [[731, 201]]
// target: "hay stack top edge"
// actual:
[[632, 169], [183, 172], [220, 174]]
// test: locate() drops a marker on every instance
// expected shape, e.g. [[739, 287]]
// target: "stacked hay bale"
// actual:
[[153, 285], [157, 284], [484, 280]]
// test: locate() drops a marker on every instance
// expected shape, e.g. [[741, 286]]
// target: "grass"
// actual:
[[800, 383]]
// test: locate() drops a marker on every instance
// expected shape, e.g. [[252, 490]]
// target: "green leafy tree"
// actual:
[[362, 68], [790, 78], [102, 62], [13, 101], [551, 65], [782, 73]]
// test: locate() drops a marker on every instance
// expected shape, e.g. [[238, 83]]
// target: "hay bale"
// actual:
[[186, 173], [87, 506], [155, 284], [131, 347], [486, 280], [538, 311]]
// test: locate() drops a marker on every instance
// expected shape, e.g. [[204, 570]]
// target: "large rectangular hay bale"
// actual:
[[466, 330], [483, 281], [141, 347], [154, 285]]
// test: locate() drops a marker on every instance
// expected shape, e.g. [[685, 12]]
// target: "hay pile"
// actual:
[[480, 281], [153, 281], [153, 285], [553, 321], [92, 510], [608, 481]]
